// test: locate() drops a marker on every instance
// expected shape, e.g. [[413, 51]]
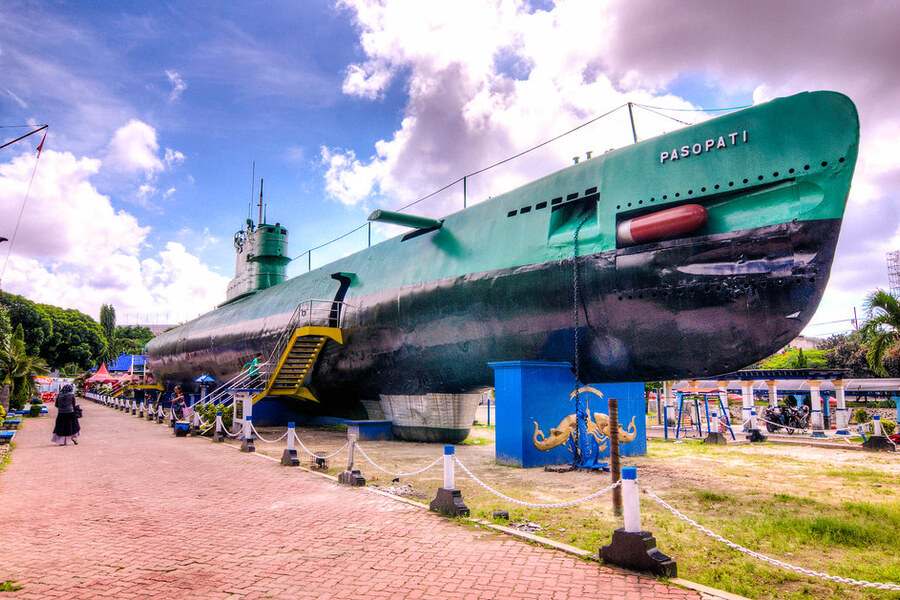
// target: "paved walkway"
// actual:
[[133, 512]]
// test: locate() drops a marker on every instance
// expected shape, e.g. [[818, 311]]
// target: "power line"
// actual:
[[655, 112], [694, 109], [22, 137]]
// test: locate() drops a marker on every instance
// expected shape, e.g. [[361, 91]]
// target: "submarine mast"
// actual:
[[260, 259]]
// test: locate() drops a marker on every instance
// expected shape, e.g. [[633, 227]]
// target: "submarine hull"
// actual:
[[683, 308]]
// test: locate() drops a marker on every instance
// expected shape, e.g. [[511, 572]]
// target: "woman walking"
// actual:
[[67, 427]]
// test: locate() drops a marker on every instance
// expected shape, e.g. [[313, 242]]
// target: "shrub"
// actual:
[[888, 426], [860, 415], [208, 414]]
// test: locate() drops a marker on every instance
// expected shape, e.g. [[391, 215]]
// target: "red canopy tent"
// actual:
[[102, 376]]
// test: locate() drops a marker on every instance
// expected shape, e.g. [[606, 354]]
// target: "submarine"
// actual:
[[690, 254]]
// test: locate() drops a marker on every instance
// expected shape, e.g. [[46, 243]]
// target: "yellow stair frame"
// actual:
[[313, 340]]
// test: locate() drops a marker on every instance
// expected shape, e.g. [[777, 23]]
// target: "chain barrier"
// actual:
[[261, 438], [763, 557], [398, 475], [563, 504], [313, 454]]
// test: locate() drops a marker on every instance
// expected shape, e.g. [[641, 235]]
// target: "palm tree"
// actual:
[[18, 369], [882, 329]]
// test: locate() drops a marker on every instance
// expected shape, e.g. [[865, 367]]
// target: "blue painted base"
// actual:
[[818, 434], [370, 430], [535, 411], [842, 432]]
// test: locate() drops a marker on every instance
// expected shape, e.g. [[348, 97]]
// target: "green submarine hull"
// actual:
[[496, 281]]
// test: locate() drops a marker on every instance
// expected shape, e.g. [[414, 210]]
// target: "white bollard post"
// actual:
[[351, 476], [247, 434], [631, 502], [715, 435], [449, 500], [218, 435], [632, 547], [876, 426], [817, 421], [842, 417], [160, 413], [289, 457], [449, 466]]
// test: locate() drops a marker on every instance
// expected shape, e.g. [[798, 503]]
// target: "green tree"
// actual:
[[131, 339], [37, 324], [77, 338], [18, 369], [847, 351], [108, 324], [881, 330], [5, 335]]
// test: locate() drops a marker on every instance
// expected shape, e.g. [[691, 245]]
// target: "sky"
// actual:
[[157, 110]]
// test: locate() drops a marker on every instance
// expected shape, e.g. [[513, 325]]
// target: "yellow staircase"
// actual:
[[292, 373]]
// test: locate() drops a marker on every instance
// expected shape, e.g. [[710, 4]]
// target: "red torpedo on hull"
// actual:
[[661, 225]]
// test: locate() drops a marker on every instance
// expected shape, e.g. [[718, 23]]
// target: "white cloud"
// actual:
[[168, 193], [173, 157], [16, 99], [134, 148], [74, 249], [484, 81], [178, 85]]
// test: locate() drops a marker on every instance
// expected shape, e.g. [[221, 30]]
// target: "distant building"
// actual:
[[804, 342]]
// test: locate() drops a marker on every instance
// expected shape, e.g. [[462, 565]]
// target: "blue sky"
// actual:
[[157, 110]]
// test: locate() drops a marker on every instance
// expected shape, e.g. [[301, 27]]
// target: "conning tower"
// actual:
[[260, 259]]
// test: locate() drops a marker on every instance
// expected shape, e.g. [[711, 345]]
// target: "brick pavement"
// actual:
[[133, 512]]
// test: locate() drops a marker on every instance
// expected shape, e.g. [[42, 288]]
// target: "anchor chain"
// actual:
[[576, 454]]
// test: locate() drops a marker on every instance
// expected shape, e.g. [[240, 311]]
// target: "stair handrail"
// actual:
[[303, 316], [242, 380]]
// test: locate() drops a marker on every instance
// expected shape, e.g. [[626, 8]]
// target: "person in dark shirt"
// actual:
[[66, 427]]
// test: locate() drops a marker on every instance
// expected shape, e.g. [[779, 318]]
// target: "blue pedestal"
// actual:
[[529, 392], [370, 430]]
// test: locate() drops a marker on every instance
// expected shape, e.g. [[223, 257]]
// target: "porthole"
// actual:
[[841, 159], [760, 177], [572, 196], [640, 201], [730, 184], [677, 194], [690, 192], [556, 201], [540, 205], [806, 167], [665, 196], [512, 213], [629, 204], [716, 186], [746, 180], [824, 163], [703, 189], [775, 174], [791, 171], [524, 209]]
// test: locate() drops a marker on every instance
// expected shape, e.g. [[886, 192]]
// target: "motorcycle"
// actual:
[[789, 418]]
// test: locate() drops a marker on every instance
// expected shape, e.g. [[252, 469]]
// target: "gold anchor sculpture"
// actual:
[[597, 426]]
